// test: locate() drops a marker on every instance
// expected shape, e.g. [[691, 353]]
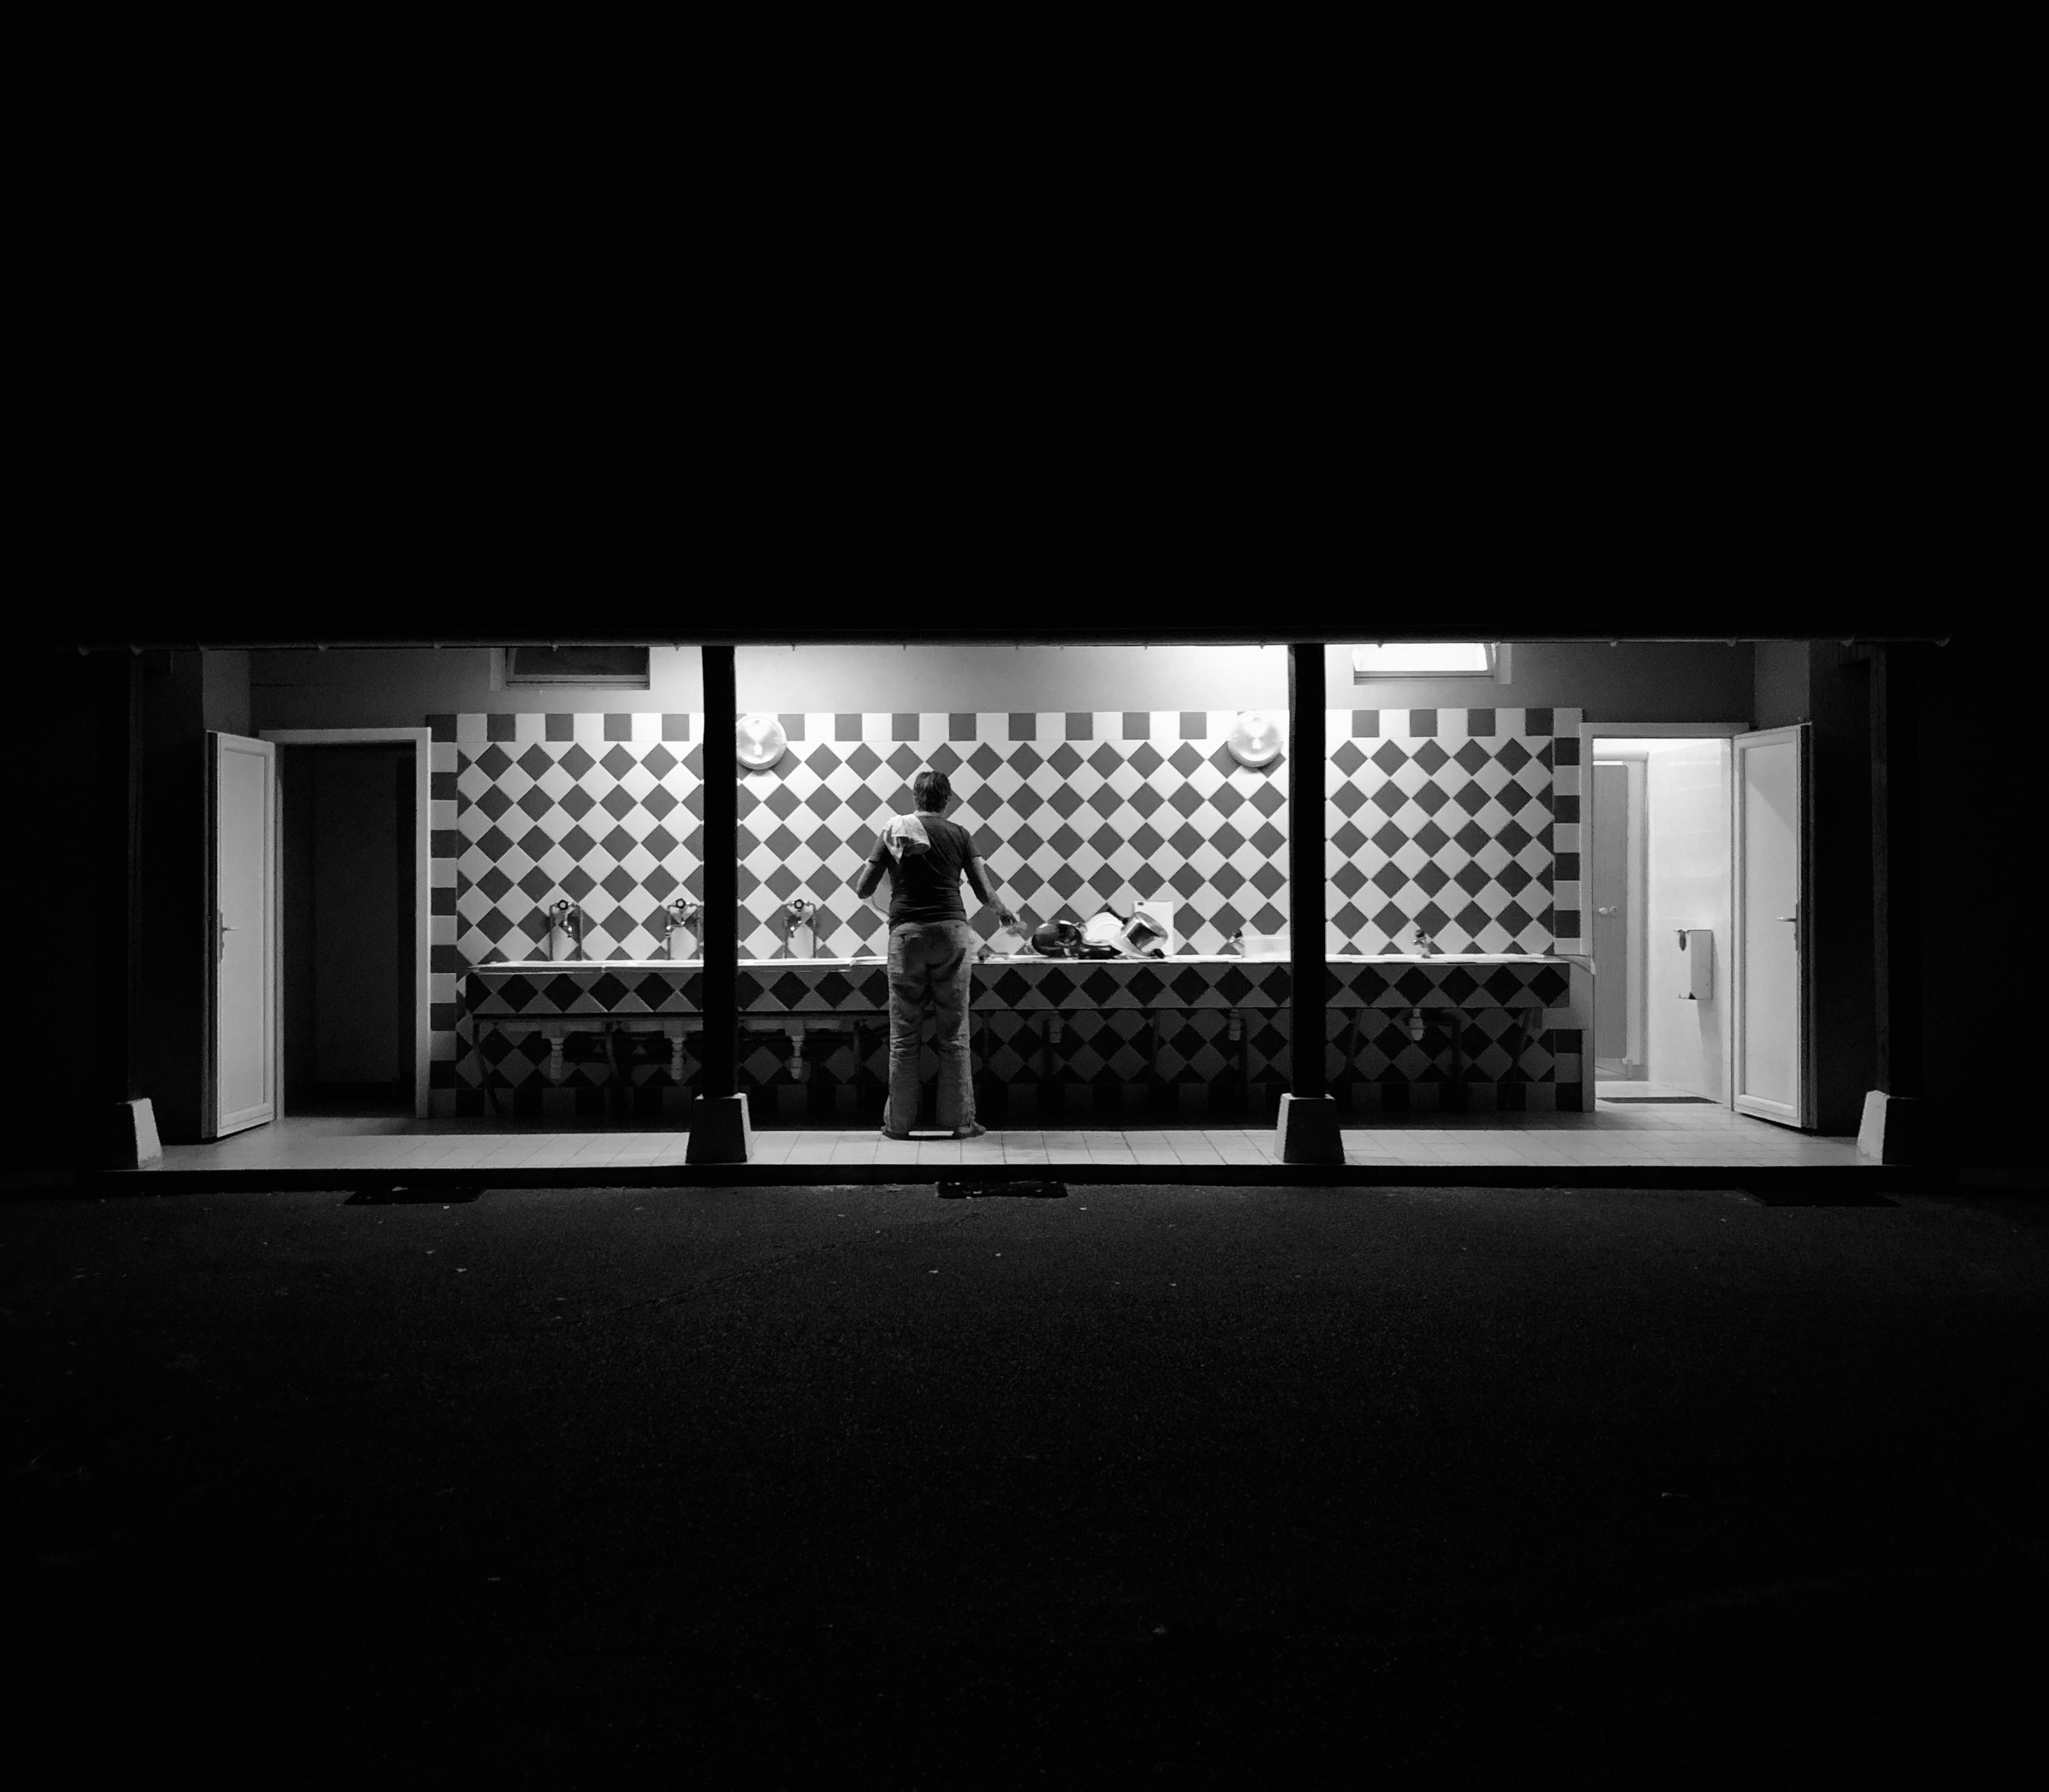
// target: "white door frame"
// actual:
[[422, 740], [1804, 1101], [1589, 733], [1636, 1020]]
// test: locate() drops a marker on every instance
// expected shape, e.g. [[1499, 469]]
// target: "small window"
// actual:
[[605, 665], [1430, 659]]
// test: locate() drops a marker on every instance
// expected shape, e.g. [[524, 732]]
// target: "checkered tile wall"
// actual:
[[1464, 821]]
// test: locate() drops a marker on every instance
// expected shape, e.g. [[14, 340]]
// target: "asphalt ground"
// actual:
[[1148, 1485]]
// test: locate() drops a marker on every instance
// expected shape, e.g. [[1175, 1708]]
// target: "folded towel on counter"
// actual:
[[904, 834]]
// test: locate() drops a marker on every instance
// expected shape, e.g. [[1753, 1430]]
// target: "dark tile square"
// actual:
[[1422, 722], [1138, 724], [903, 726], [559, 726], [1565, 867], [1195, 724], [1365, 725], [1567, 809], [675, 727], [618, 726], [1565, 750], [846, 727], [960, 725], [499, 728], [1081, 726], [793, 727], [1480, 722], [1024, 726], [441, 728], [1537, 721]]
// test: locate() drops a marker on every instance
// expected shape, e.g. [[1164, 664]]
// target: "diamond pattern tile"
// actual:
[[1445, 817]]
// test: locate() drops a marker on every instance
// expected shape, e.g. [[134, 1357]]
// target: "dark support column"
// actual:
[[719, 1132], [1305, 865], [127, 1139], [1896, 860], [1892, 1129], [1308, 1130], [117, 813]]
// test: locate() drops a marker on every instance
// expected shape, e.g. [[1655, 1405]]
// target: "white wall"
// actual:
[[387, 687], [1686, 805]]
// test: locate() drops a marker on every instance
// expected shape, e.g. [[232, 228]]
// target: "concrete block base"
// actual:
[[1308, 1130], [721, 1131], [130, 1142], [1893, 1129]]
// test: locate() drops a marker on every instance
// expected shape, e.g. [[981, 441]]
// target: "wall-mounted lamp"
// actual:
[[1255, 739], [760, 741]]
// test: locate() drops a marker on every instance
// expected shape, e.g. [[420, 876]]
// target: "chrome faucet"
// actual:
[[800, 915], [674, 915], [568, 916], [1425, 944]]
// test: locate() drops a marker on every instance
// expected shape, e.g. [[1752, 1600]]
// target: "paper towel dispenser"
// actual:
[[1698, 982]]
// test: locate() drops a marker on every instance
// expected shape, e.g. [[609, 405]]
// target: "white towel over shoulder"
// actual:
[[905, 834]]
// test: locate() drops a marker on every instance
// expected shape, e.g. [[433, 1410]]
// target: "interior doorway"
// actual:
[[1657, 845], [353, 901]]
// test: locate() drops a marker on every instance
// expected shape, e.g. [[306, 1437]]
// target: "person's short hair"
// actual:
[[931, 791]]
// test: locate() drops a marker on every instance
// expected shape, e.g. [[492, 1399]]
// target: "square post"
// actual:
[[1893, 1123], [1308, 1133], [719, 1129]]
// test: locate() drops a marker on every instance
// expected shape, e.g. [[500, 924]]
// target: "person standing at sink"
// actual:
[[931, 949]]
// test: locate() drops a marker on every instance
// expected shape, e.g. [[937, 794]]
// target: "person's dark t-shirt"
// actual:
[[928, 884]]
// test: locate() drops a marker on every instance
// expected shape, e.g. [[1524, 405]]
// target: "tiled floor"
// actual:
[[1614, 1135]]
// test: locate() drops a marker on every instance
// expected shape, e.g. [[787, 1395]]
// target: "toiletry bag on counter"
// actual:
[[1057, 939]]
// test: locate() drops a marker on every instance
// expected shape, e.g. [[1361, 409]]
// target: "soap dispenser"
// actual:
[[800, 932]]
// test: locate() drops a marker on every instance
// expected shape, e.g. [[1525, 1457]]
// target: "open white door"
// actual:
[[1768, 971], [242, 1037]]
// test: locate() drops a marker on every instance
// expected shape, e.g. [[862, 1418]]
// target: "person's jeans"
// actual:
[[930, 969]]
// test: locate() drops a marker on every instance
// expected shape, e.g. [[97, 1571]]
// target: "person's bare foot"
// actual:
[[973, 1131]]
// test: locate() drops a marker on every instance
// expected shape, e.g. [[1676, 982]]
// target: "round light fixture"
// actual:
[[760, 742], [1255, 739]]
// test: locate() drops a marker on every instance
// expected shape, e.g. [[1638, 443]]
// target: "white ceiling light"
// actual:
[[1255, 739], [760, 741]]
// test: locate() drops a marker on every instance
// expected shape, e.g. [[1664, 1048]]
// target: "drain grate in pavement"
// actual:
[[1039, 1191], [411, 1194]]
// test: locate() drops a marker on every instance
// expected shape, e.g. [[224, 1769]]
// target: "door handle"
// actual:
[[1609, 911]]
